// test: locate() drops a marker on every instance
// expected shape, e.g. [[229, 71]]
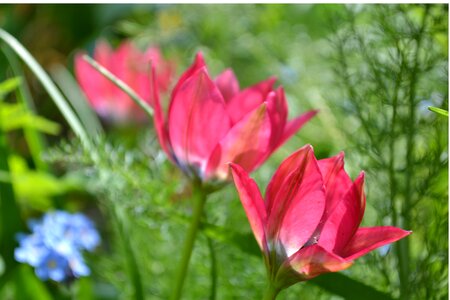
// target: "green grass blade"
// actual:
[[438, 110], [49, 86], [70, 88]]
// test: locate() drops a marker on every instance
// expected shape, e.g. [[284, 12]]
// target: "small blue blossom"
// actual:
[[53, 266], [55, 244]]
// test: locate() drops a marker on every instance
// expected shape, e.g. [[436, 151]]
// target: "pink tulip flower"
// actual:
[[308, 223], [212, 122], [130, 65]]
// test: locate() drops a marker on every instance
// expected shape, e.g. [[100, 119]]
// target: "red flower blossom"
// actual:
[[212, 122], [131, 66], [308, 223]]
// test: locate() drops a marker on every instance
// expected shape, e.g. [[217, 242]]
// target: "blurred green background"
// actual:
[[371, 70]]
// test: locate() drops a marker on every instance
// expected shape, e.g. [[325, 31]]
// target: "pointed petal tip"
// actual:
[[308, 147], [361, 175], [339, 158], [235, 168], [200, 57], [402, 232], [271, 81], [280, 91]]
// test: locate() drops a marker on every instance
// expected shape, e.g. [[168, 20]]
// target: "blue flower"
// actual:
[[83, 228], [53, 266], [31, 249], [55, 244]]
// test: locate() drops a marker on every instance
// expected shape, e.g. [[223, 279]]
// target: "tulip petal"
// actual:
[[252, 202], [164, 69], [198, 63], [298, 203], [227, 84], [277, 111], [245, 144], [370, 238], [344, 220], [314, 260], [197, 120], [278, 114], [336, 180], [294, 125], [286, 168], [248, 99], [158, 117]]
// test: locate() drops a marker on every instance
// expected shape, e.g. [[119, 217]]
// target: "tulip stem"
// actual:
[[130, 258], [120, 84], [271, 292], [212, 251], [199, 199]]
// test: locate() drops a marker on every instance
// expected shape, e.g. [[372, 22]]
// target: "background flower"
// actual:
[[132, 66], [55, 244]]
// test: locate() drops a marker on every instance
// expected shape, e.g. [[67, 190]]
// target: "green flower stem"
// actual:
[[199, 199], [120, 84], [271, 292], [133, 269], [212, 251]]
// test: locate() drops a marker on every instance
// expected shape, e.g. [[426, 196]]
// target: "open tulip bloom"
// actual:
[[308, 223], [212, 122], [130, 65]]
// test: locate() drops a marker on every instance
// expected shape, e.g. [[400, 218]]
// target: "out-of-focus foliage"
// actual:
[[359, 64], [392, 64]]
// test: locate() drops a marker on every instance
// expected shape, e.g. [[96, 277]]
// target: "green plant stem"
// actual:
[[212, 252], [199, 199], [392, 153], [133, 270], [120, 84], [403, 245], [271, 292]]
